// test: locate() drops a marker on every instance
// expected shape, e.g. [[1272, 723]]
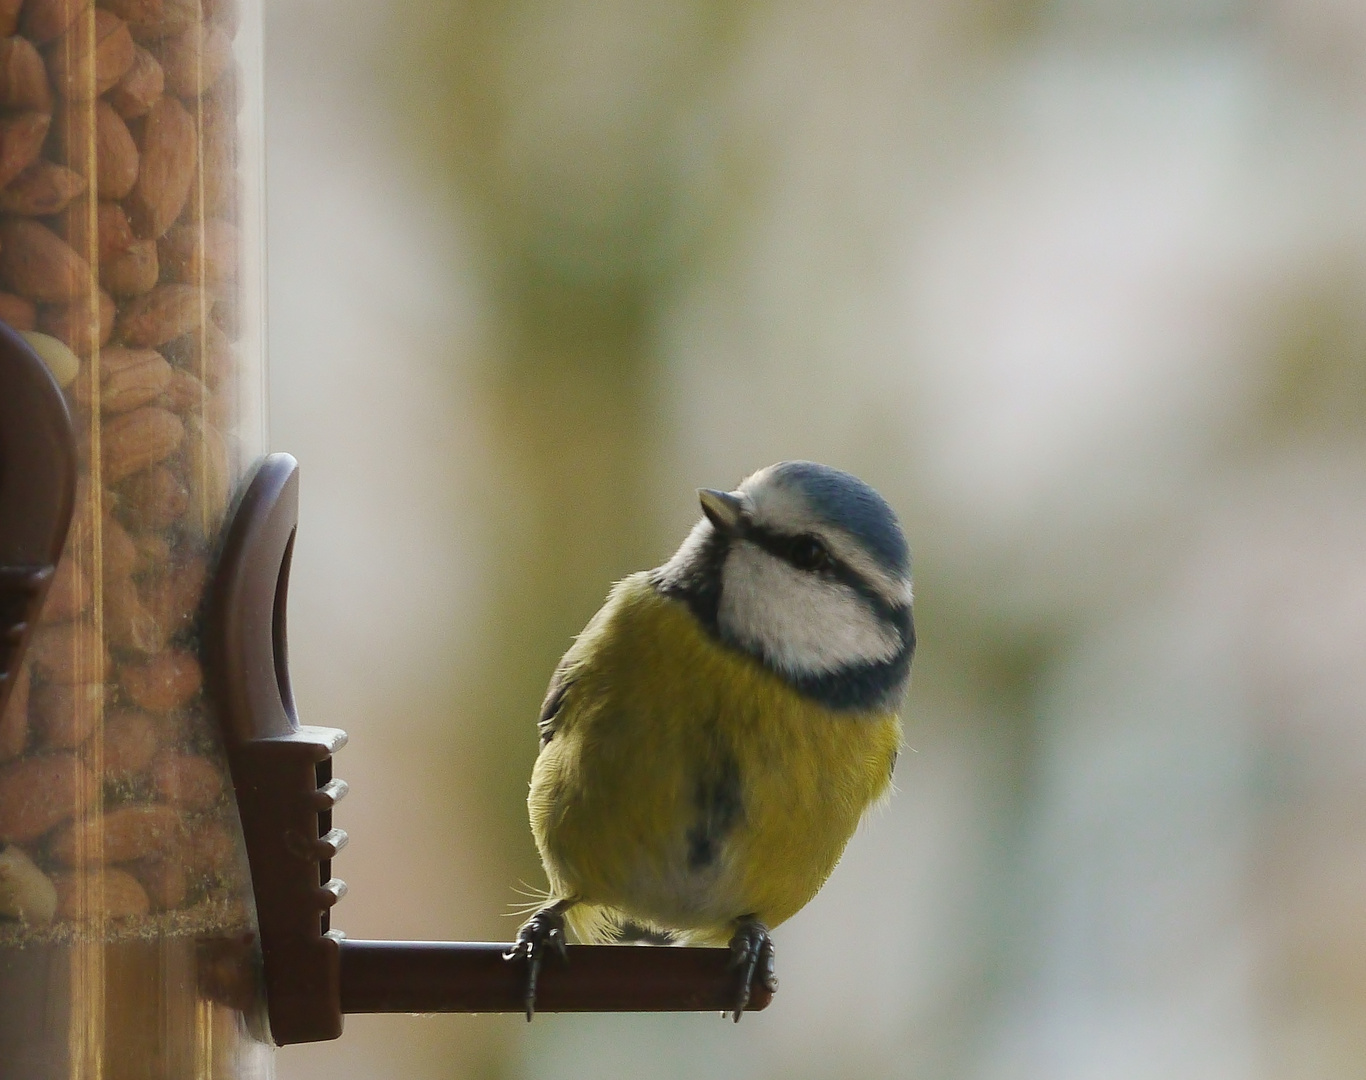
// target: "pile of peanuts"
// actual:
[[119, 259]]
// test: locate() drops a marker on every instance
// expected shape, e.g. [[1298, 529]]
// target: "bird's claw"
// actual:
[[751, 952], [542, 933]]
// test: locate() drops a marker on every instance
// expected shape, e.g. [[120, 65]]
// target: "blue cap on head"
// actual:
[[846, 501]]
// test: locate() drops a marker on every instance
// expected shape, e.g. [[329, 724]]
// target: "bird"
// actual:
[[716, 733]]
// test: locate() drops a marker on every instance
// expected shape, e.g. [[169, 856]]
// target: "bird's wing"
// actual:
[[551, 707], [583, 655]]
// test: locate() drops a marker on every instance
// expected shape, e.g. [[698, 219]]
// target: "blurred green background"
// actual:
[[1079, 285]]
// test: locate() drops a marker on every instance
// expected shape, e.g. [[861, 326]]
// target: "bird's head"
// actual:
[[805, 568]]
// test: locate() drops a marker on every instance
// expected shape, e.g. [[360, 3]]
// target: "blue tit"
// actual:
[[716, 732]]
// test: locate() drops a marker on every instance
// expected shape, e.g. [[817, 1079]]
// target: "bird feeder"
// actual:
[[166, 823]]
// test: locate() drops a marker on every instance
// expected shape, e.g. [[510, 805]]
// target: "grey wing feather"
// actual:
[[560, 682]]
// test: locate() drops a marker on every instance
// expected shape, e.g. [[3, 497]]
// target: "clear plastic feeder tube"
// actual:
[[131, 258]]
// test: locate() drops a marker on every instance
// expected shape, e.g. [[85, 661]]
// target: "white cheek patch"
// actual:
[[802, 623]]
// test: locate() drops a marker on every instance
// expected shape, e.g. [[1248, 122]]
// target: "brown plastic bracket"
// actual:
[[282, 773], [281, 770], [37, 493]]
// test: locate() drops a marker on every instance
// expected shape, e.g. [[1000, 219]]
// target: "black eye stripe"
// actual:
[[780, 546], [785, 547]]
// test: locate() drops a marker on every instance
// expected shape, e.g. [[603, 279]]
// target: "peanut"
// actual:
[[226, 316], [132, 272], [195, 59], [217, 356], [120, 896], [128, 622], [154, 554], [64, 716], [214, 193], [165, 313], [206, 256], [172, 728], [60, 360], [69, 592], [131, 377], [21, 139], [81, 72], [112, 231], [209, 465], [208, 353], [95, 142], [139, 89], [19, 313], [23, 78], [176, 597], [116, 154], [157, 497], [165, 169], [165, 18], [44, 188], [130, 743], [125, 834], [9, 16], [183, 392], [165, 682], [186, 780], [39, 793], [137, 439], [165, 881], [67, 652], [115, 232], [211, 848], [77, 324], [120, 552], [35, 262], [44, 20], [26, 893], [136, 11], [224, 13], [14, 718]]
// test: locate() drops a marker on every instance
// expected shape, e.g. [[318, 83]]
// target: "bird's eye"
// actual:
[[808, 553]]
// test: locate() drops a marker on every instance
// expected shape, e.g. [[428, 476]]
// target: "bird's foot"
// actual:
[[541, 934], [751, 952]]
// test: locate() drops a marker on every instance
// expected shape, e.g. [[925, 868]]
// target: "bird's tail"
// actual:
[[597, 925], [592, 924], [630, 932]]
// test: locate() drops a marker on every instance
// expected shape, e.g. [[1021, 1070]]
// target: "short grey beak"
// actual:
[[724, 510]]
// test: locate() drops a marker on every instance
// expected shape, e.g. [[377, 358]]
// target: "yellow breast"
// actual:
[[686, 785]]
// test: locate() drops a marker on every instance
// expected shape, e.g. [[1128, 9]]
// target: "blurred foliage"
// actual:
[[594, 150], [570, 131], [1318, 385], [564, 130], [582, 141]]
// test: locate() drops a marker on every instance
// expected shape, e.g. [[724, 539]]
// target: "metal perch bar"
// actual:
[[451, 976]]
